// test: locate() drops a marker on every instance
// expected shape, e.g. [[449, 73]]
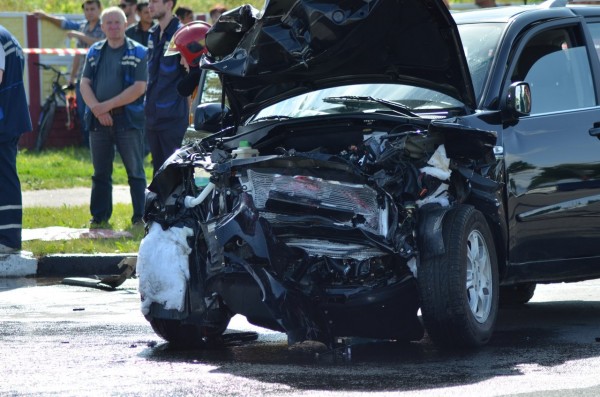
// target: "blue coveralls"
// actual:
[[125, 133], [14, 121], [166, 111]]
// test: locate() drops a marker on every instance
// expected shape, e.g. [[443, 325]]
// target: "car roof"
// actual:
[[547, 10]]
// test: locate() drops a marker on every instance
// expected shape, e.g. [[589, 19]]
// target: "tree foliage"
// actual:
[[74, 6]]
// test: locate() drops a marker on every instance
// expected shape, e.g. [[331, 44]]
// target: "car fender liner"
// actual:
[[429, 230]]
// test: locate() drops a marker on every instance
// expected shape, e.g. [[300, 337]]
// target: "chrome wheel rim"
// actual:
[[479, 277]]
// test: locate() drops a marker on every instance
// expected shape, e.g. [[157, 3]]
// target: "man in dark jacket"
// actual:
[[113, 85], [166, 110], [140, 32], [14, 121]]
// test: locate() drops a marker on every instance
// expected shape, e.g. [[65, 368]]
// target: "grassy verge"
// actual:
[[65, 168], [78, 217]]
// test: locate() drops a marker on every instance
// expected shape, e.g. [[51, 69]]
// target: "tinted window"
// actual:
[[595, 30], [557, 68], [479, 44]]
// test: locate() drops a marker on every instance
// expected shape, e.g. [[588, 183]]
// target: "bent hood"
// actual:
[[295, 46]]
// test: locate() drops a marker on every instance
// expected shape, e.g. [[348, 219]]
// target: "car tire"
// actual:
[[45, 125], [186, 335], [459, 289], [517, 294]]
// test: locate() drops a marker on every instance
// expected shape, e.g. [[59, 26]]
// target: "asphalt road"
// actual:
[[75, 341]]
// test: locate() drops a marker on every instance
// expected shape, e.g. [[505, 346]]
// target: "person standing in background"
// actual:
[[87, 33], [215, 12], [113, 85], [485, 3], [14, 121], [129, 7], [140, 32], [166, 110], [190, 42], [185, 14]]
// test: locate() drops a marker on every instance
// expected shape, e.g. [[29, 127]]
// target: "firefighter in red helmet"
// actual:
[[189, 42]]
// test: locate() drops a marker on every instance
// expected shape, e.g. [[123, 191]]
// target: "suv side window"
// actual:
[[595, 31], [556, 66]]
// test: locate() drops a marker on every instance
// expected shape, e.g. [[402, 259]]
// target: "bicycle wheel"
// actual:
[[45, 124]]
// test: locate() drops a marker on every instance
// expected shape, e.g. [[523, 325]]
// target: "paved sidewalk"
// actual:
[[71, 197]]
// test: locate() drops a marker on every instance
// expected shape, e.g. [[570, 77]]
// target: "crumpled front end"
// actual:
[[319, 250], [318, 244]]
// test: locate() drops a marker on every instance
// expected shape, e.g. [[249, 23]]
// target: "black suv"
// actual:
[[373, 158]]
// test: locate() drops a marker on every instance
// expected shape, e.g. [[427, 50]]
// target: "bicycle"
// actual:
[[60, 94]]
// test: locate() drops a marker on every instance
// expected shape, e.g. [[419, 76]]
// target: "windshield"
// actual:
[[479, 43], [366, 98]]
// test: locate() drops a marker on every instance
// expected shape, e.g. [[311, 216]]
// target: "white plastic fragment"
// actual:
[[162, 267], [439, 165]]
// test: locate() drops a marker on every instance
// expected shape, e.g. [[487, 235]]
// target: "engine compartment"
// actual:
[[325, 216]]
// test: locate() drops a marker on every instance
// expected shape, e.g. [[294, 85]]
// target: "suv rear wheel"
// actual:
[[459, 290]]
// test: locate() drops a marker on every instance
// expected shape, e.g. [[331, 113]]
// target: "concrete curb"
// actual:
[[21, 264], [78, 265], [24, 264]]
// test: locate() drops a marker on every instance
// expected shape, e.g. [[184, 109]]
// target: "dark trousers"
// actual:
[[164, 142], [11, 206], [129, 143], [85, 134]]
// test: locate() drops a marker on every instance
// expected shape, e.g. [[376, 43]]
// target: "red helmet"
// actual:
[[189, 41]]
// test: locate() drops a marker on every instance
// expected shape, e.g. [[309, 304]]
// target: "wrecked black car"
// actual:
[[370, 159]]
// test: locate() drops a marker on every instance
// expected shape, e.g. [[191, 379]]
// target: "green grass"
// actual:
[[77, 217], [72, 167], [65, 168]]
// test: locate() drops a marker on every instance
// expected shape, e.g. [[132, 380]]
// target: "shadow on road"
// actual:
[[545, 334]]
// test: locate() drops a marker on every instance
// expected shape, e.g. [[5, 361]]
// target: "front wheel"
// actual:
[[45, 124], [180, 334], [459, 290]]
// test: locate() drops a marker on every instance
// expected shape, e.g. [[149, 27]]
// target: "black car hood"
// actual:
[[295, 46]]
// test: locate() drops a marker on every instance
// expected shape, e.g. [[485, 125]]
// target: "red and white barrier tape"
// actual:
[[56, 51]]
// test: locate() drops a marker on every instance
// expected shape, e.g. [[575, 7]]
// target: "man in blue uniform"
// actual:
[[14, 121], [113, 85], [166, 111]]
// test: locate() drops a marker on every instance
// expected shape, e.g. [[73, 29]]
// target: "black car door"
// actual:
[[552, 160]]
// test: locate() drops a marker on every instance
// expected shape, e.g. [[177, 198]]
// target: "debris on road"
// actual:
[[108, 282]]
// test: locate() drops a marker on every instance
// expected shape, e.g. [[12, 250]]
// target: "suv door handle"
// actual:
[[595, 130]]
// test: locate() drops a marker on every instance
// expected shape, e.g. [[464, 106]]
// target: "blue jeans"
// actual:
[[11, 210], [129, 143]]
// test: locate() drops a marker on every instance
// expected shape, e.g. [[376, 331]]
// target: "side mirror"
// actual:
[[518, 100], [210, 117]]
